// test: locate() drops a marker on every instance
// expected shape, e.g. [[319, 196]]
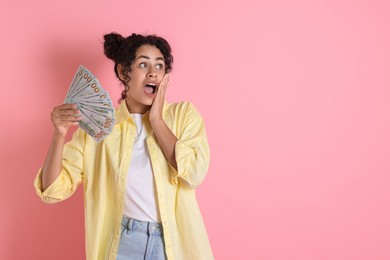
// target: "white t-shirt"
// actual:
[[140, 196]]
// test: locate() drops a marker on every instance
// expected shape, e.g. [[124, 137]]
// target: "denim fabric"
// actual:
[[141, 240]]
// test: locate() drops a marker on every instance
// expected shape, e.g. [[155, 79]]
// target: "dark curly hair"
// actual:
[[122, 51]]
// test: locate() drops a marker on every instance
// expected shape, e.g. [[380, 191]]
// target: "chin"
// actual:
[[148, 103]]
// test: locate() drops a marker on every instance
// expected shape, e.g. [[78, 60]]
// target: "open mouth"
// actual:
[[150, 88]]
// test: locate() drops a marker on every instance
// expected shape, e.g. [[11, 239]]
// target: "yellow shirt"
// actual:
[[103, 167]]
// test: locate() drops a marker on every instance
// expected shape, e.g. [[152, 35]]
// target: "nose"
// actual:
[[152, 73]]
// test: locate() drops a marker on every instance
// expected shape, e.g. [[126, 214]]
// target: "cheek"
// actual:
[[161, 75], [136, 77]]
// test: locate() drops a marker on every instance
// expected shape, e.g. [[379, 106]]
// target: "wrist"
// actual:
[[156, 122], [58, 136]]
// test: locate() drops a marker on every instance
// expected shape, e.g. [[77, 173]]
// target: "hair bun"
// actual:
[[113, 46]]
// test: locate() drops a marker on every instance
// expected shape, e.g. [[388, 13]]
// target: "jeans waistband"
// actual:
[[142, 226]]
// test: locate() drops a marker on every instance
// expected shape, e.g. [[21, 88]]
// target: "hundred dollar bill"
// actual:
[[94, 103]]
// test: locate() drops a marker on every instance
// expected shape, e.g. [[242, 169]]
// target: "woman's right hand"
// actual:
[[64, 116]]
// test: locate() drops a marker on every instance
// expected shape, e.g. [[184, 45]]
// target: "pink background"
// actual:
[[296, 99]]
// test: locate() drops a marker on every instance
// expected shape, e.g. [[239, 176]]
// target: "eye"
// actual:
[[159, 66], [142, 65]]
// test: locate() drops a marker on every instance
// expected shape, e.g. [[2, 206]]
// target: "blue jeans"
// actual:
[[141, 240]]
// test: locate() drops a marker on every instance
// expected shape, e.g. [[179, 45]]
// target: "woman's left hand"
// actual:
[[158, 102]]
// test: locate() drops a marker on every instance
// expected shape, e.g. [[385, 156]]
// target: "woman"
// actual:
[[139, 182]]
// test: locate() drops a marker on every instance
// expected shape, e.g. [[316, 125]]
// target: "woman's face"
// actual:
[[147, 70]]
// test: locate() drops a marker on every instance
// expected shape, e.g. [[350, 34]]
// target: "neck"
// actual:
[[137, 109]]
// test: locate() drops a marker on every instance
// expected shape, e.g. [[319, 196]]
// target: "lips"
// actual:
[[150, 88]]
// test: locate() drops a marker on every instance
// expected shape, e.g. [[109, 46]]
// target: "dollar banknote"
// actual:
[[94, 103]]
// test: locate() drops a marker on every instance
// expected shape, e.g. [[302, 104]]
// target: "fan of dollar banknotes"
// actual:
[[94, 103]]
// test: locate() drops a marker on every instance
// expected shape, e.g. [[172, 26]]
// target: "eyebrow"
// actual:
[[146, 57]]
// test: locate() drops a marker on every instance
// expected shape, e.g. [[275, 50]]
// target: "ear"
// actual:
[[120, 72]]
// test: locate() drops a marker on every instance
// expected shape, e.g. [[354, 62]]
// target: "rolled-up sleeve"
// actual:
[[71, 174], [192, 151]]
